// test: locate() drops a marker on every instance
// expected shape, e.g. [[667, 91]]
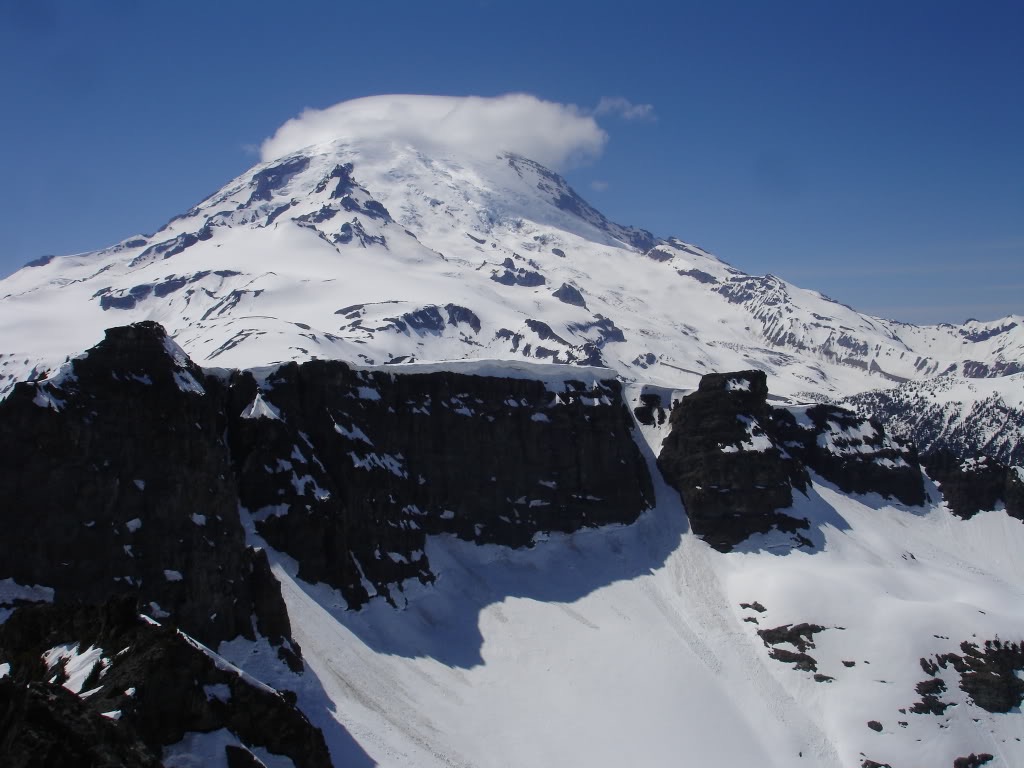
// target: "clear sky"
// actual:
[[870, 150]]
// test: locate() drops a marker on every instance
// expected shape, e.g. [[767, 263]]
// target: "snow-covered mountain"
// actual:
[[543, 490], [377, 252]]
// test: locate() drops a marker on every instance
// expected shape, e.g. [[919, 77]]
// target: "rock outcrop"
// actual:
[[43, 725], [348, 471], [117, 480], [101, 686], [970, 486], [736, 460], [732, 476], [853, 452], [129, 468], [990, 673], [129, 481]]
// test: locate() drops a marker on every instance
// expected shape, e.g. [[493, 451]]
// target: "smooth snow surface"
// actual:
[[603, 649]]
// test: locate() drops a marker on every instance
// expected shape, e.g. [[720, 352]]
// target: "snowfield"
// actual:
[[631, 644]]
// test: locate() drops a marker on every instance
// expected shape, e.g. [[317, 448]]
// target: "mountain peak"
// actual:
[[385, 249]]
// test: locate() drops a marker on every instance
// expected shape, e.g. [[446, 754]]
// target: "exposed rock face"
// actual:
[[972, 485], [138, 462], [512, 274], [43, 725], [650, 411], [126, 475], [735, 460], [117, 481], [800, 636], [931, 702], [852, 452], [360, 466], [972, 760], [733, 478], [989, 674], [570, 294], [154, 684]]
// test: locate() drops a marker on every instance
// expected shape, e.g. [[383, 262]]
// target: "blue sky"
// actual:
[[869, 150]]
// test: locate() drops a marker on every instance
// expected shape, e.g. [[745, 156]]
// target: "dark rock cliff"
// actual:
[[45, 725], [117, 481], [853, 452], [348, 471], [733, 478], [735, 460], [972, 485], [128, 470]]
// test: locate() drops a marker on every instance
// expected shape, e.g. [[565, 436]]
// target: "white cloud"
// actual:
[[557, 135], [599, 185], [616, 105]]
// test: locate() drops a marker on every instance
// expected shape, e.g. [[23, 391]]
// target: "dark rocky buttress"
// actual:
[[735, 460], [970, 486], [731, 475], [129, 480], [117, 480], [348, 471]]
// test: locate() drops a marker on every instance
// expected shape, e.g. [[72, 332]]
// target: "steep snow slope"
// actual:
[[376, 251], [640, 645]]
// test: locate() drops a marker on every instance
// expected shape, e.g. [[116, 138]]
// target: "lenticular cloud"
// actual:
[[557, 135]]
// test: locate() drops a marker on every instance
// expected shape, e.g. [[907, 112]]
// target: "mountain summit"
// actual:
[[378, 252]]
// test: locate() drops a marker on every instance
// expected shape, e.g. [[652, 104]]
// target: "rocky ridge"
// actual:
[[135, 475], [346, 470], [118, 481]]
